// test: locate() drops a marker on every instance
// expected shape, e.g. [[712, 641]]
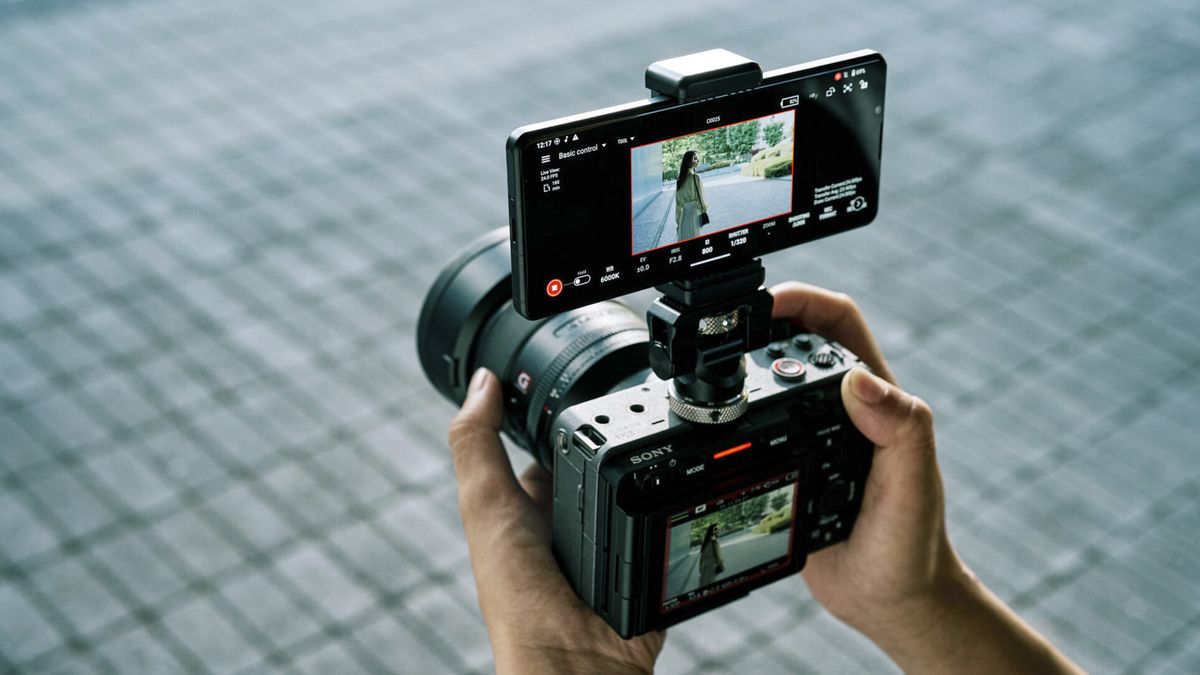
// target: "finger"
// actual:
[[484, 474], [898, 423], [539, 485], [831, 315]]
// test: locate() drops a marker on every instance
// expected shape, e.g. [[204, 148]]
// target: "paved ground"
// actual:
[[217, 452]]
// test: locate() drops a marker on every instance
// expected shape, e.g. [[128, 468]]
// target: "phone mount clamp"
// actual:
[[705, 321]]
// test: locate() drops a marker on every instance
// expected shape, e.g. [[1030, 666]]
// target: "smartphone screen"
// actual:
[[619, 200]]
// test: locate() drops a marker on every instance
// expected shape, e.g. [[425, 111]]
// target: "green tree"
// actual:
[[773, 133], [739, 138], [779, 500], [712, 145], [672, 156]]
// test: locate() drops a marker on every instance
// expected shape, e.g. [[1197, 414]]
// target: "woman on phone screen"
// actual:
[[691, 212]]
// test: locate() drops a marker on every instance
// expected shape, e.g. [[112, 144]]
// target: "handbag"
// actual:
[[704, 219]]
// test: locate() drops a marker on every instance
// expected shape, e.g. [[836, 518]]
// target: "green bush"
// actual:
[[670, 173], [778, 168]]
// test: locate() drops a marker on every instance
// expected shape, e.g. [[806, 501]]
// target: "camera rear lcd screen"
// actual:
[[615, 201], [728, 541]]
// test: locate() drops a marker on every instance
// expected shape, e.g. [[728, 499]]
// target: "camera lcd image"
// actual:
[[711, 181], [729, 540]]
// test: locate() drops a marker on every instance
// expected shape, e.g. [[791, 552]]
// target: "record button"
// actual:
[[788, 368]]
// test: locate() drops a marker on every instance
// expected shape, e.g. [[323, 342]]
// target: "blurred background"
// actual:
[[218, 219]]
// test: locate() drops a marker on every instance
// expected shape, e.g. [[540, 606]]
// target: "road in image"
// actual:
[[733, 199], [741, 550]]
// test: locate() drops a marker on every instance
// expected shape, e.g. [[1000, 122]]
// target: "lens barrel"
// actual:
[[468, 321]]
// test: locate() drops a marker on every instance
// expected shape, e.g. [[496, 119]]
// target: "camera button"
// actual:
[[777, 348], [653, 480], [695, 469], [824, 359], [788, 369], [554, 288], [835, 498], [803, 341]]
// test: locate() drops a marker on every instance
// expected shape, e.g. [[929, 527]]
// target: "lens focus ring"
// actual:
[[554, 371]]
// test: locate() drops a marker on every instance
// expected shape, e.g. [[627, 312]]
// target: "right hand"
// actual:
[[897, 579], [898, 563]]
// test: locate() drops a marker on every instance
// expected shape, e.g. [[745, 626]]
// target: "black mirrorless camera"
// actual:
[[701, 451]]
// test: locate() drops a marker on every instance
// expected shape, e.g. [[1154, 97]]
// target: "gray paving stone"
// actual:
[[21, 449], [332, 657], [394, 645], [143, 569], [25, 633], [244, 511], [123, 473], [65, 420], [436, 536], [271, 609], [71, 503], [139, 651], [203, 629], [388, 567], [74, 591], [324, 582], [198, 544], [452, 622], [24, 534], [302, 496]]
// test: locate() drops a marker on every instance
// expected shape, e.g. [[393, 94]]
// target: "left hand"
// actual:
[[535, 620]]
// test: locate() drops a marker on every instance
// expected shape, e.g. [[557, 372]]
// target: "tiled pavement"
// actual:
[[217, 219]]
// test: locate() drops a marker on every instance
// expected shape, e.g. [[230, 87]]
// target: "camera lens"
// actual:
[[545, 366]]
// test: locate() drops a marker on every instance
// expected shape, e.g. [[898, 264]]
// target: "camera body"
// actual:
[[702, 450], [635, 485]]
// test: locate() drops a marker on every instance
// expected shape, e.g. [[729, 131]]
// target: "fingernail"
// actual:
[[478, 381], [868, 388]]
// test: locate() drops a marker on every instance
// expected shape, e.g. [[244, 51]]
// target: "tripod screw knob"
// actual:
[[660, 360]]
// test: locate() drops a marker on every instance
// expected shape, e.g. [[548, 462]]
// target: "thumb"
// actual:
[[480, 463], [898, 423]]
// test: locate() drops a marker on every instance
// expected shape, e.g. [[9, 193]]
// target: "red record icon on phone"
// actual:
[[554, 288]]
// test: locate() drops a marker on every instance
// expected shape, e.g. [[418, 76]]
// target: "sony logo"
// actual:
[[650, 455]]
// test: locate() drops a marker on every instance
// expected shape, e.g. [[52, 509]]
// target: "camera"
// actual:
[[700, 451]]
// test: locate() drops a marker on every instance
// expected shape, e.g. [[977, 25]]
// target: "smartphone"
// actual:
[[618, 200]]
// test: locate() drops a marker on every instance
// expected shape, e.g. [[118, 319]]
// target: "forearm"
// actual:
[[556, 660], [970, 630]]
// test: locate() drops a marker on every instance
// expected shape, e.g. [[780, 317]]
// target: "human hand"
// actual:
[[534, 619], [898, 556], [897, 579]]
